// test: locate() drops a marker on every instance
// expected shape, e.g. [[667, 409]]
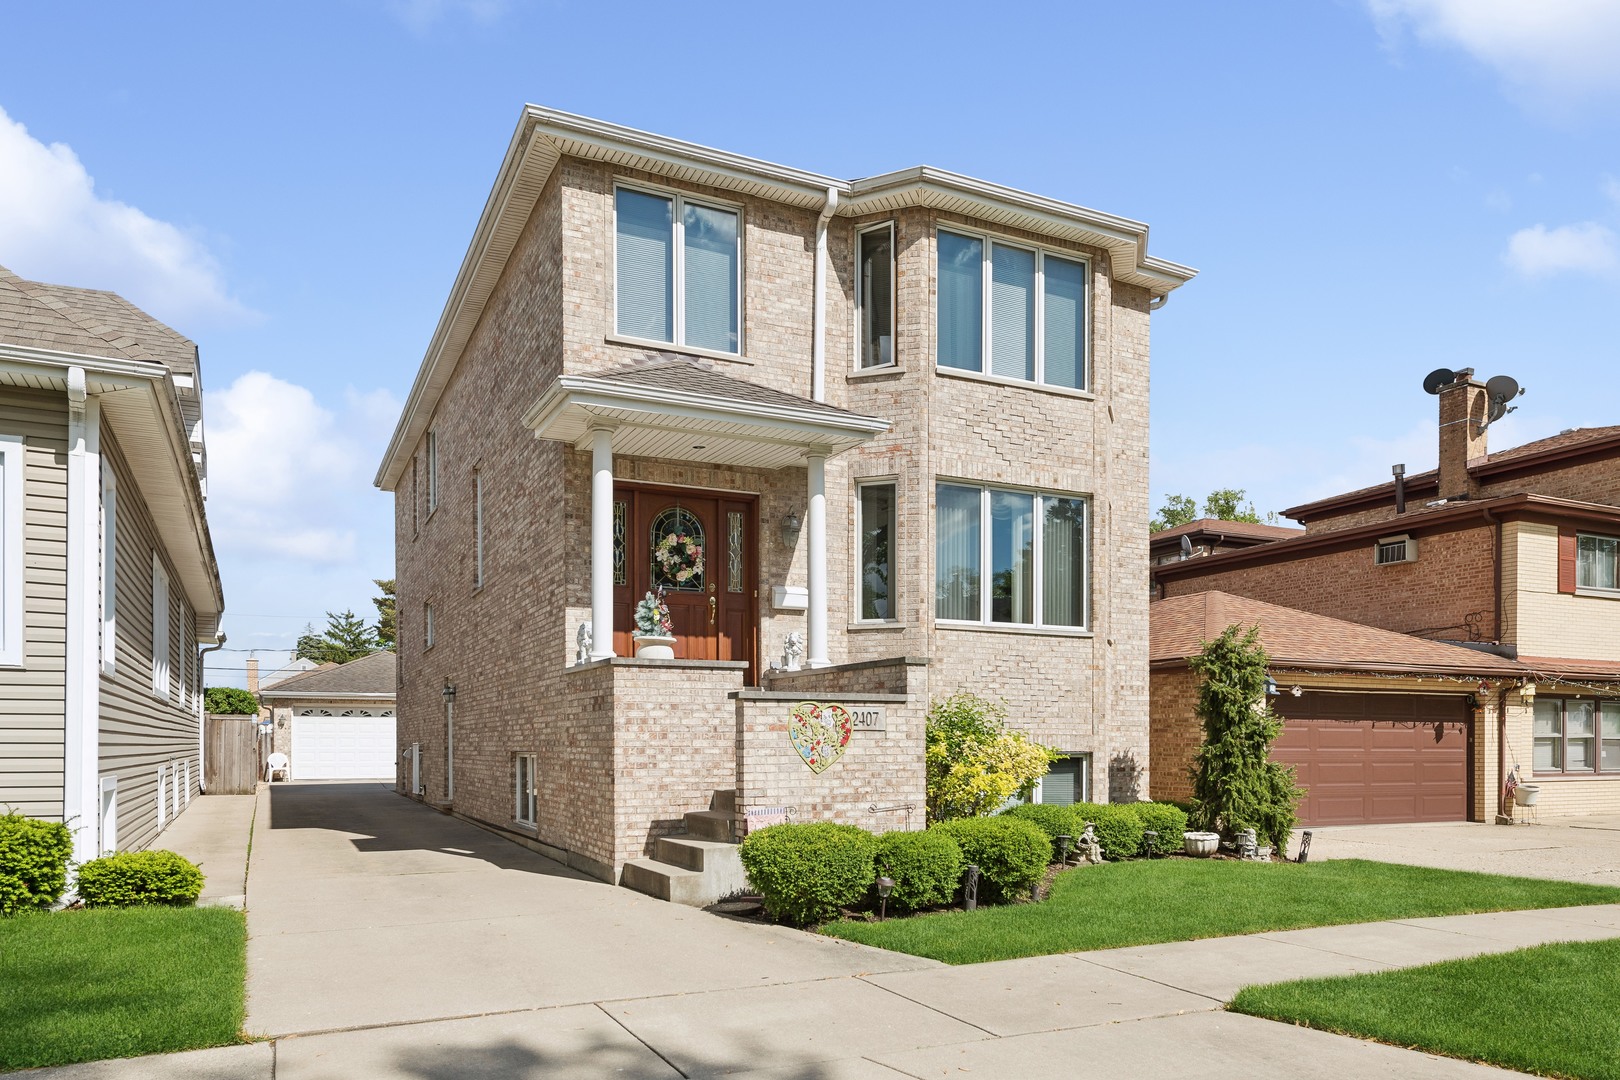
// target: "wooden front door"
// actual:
[[701, 547]]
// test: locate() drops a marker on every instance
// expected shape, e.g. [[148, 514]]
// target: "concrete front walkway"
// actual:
[[387, 940], [1585, 849]]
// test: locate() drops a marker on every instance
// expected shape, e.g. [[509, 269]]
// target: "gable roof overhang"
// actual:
[[544, 136], [749, 427], [140, 403]]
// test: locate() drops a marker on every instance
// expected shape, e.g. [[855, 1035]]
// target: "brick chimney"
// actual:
[[1463, 405], [253, 676]]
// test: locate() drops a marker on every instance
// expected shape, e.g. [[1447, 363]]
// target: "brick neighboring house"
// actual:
[[1212, 536], [1512, 553], [336, 721], [108, 582], [817, 377]]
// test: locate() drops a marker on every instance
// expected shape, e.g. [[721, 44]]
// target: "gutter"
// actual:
[[818, 327]]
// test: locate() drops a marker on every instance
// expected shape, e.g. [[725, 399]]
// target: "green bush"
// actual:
[[926, 868], [229, 701], [806, 873], [1119, 830], [1169, 821], [33, 862], [1011, 854], [1053, 820], [137, 878]]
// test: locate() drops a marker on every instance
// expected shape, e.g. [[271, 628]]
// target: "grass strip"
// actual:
[[1151, 901], [1553, 1010], [87, 985]]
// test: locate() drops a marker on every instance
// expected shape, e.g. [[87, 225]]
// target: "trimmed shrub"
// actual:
[[1053, 820], [139, 878], [1011, 853], [926, 868], [806, 873], [33, 862], [1170, 822], [1119, 830]]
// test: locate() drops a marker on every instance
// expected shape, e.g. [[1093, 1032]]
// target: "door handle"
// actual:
[[711, 611]]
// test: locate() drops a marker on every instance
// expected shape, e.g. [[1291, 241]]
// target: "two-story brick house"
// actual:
[[902, 420], [1512, 555]]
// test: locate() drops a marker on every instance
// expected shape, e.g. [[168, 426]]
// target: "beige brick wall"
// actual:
[[1543, 621]]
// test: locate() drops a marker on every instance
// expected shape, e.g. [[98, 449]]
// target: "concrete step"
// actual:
[[714, 824], [724, 800], [663, 881], [687, 870]]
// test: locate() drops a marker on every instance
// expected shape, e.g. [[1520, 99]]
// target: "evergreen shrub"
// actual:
[[1012, 854], [139, 878], [1169, 821], [1119, 830], [806, 873], [1053, 820], [926, 868], [33, 862]]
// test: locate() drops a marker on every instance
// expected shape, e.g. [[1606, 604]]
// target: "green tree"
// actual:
[[387, 611], [1177, 510], [1236, 785], [229, 701], [1223, 504], [975, 762], [347, 637]]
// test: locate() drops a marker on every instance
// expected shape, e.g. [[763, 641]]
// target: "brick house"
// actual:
[[1211, 536], [336, 721], [1511, 555], [855, 401], [108, 582]]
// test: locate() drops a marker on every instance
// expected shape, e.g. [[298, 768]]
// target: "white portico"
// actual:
[[675, 410]]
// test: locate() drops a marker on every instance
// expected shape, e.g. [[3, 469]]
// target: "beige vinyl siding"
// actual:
[[33, 699], [139, 731]]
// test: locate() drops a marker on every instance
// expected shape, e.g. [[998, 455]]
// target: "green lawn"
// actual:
[[86, 985], [1149, 901], [1552, 1010]]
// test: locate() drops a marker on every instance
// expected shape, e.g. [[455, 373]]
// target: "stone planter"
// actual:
[[1527, 794], [655, 647], [1200, 845]]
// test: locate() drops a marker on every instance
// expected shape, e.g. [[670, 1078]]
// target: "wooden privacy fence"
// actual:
[[233, 762]]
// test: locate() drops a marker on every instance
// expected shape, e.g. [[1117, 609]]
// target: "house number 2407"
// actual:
[[868, 718]]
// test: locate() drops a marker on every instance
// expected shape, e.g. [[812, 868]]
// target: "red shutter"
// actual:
[[1566, 559]]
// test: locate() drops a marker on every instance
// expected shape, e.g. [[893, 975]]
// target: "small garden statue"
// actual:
[[792, 650], [1248, 844], [1089, 850], [582, 640]]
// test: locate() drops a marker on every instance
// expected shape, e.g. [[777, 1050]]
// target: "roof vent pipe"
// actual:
[[818, 331], [1400, 487]]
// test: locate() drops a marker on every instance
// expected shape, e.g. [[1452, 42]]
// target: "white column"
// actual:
[[601, 543], [816, 646]]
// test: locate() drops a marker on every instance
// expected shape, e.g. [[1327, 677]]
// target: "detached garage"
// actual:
[[337, 722], [1380, 727]]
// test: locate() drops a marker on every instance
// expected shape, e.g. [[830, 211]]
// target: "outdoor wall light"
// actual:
[[1271, 686], [449, 691], [885, 886], [1527, 692], [790, 528]]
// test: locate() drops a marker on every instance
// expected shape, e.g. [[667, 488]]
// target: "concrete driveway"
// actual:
[[1583, 849]]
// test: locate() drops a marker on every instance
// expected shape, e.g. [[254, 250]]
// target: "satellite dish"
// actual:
[[1438, 379], [1500, 390], [1186, 547]]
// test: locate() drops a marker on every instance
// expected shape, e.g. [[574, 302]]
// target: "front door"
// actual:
[[700, 547]]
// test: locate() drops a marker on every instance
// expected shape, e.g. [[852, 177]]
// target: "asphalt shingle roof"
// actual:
[[88, 321], [681, 375], [373, 674]]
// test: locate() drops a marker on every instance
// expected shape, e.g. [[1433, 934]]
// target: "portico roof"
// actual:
[[676, 409]]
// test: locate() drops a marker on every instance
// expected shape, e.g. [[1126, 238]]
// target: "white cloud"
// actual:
[[1553, 52], [1585, 248], [421, 15], [55, 227]]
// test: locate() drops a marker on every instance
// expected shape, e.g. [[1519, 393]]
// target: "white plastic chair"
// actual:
[[276, 763]]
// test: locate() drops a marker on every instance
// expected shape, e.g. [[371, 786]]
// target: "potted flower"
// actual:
[[655, 631]]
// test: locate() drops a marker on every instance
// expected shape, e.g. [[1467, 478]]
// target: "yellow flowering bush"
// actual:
[[975, 762]]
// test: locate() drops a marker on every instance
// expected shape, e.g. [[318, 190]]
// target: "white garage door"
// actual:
[[354, 744]]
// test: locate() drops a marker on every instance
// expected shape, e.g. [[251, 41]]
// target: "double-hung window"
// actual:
[[430, 454], [109, 568], [1597, 562], [160, 628], [874, 295], [677, 270], [478, 529], [875, 510], [1576, 735], [523, 785], [11, 550], [1015, 558], [428, 629], [1012, 312]]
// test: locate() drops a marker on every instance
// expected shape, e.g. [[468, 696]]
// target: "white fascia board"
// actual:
[[53, 364], [572, 391]]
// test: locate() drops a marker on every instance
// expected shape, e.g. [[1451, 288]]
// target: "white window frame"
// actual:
[[478, 528], [430, 451], [161, 611], [894, 295], [108, 830], [894, 547], [1408, 552], [1038, 319], [1595, 589], [13, 464], [109, 569], [427, 625], [162, 812], [1086, 778], [677, 269], [525, 802], [1038, 556]]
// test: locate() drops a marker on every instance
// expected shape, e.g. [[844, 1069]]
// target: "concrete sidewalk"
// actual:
[[214, 832]]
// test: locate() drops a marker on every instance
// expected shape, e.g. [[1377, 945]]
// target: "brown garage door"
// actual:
[[1376, 758]]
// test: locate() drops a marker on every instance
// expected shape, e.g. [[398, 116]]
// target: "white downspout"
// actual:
[[81, 750], [818, 328], [202, 715]]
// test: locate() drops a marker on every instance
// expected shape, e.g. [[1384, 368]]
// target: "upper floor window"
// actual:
[[1010, 557], [1576, 735], [11, 550], [478, 529], [677, 270], [1597, 562], [1009, 311], [430, 454], [874, 295], [109, 568], [160, 628], [428, 629]]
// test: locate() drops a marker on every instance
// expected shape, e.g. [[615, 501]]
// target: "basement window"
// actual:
[[1395, 549]]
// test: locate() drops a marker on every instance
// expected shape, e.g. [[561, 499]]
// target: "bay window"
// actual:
[[1576, 735], [1008, 557], [677, 270], [1597, 562], [1029, 325]]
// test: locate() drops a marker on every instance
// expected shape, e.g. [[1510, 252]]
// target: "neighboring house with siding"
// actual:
[[1514, 555], [108, 582], [902, 421]]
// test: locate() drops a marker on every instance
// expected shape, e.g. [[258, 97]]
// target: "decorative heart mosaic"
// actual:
[[820, 733]]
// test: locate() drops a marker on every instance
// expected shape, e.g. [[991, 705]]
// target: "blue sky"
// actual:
[[1371, 189]]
